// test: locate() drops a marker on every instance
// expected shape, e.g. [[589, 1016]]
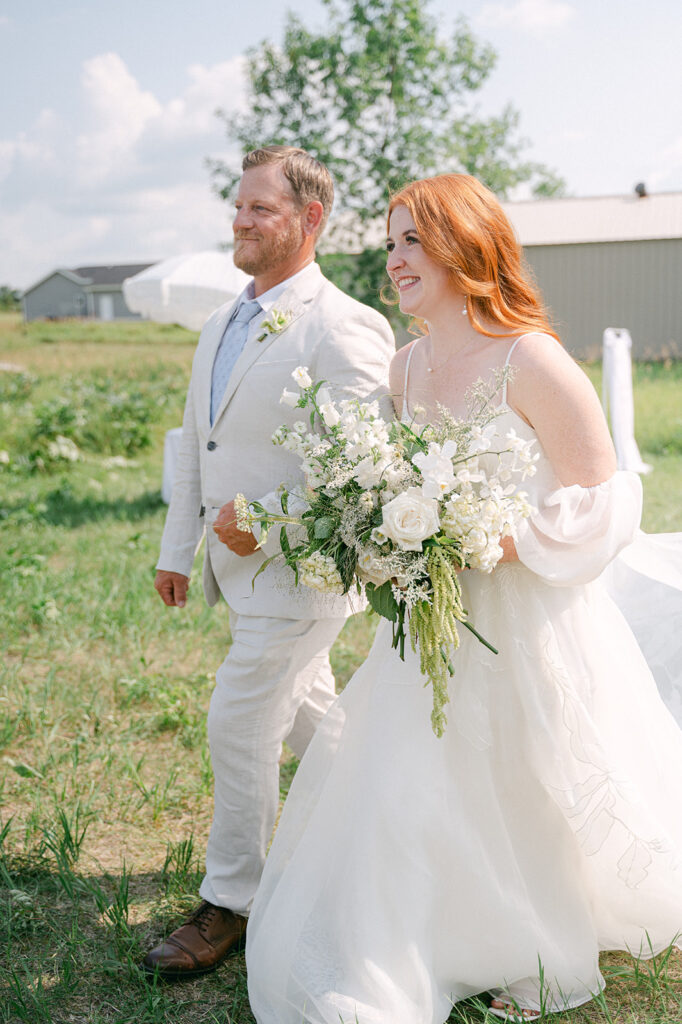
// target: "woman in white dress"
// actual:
[[409, 872]]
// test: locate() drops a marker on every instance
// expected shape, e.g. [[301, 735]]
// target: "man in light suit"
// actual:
[[276, 681]]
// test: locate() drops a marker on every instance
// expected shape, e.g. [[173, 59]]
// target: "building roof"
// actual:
[[596, 219], [112, 275]]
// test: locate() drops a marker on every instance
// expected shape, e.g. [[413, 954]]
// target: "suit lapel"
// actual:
[[294, 301]]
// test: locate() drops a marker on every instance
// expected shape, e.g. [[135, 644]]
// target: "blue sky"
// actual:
[[108, 111]]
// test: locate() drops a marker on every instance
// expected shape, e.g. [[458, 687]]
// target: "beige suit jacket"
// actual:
[[339, 340]]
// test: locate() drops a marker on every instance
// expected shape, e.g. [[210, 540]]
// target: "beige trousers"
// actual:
[[275, 684]]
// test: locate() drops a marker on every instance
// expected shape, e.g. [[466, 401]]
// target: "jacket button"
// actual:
[[211, 446]]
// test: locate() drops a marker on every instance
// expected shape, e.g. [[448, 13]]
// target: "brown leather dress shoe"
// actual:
[[209, 936]]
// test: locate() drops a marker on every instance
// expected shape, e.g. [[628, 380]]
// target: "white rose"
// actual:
[[476, 541], [289, 398], [410, 518], [302, 377], [329, 414], [371, 569]]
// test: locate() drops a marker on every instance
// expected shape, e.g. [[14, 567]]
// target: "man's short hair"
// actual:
[[309, 179]]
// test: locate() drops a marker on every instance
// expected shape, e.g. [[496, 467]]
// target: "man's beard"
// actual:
[[271, 251]]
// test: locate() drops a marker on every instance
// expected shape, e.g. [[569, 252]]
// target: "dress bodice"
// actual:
[[574, 532]]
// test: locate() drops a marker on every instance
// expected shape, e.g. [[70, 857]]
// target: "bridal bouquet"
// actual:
[[398, 510]]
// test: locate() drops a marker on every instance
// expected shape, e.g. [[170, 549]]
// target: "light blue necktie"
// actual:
[[229, 350]]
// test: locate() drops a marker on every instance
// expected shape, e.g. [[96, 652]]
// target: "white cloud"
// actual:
[[124, 180], [209, 89], [530, 15], [119, 111]]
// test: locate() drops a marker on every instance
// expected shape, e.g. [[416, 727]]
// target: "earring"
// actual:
[[465, 311]]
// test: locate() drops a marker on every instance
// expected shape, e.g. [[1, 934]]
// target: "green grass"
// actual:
[[105, 784]]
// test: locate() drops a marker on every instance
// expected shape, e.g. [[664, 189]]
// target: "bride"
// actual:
[[409, 872]]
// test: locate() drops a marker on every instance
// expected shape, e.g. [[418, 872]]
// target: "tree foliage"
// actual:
[[381, 98], [10, 299]]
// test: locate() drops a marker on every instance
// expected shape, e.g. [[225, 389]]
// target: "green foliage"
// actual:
[[10, 299], [382, 600], [363, 275], [381, 97], [103, 413]]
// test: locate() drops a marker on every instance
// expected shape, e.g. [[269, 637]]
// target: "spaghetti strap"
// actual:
[[506, 362], [406, 412]]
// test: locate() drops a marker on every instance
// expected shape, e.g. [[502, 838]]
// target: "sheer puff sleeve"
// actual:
[[577, 531]]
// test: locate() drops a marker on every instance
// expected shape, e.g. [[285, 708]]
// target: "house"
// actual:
[[608, 261], [94, 292]]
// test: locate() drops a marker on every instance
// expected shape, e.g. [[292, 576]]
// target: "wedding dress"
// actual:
[[409, 872]]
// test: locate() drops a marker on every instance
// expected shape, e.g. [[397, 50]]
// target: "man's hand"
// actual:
[[172, 586], [226, 530]]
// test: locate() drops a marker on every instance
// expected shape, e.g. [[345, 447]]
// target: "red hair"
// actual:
[[462, 227]]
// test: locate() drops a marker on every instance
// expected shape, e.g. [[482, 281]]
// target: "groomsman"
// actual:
[[276, 682]]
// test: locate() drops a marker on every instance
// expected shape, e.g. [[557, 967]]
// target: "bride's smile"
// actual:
[[423, 285]]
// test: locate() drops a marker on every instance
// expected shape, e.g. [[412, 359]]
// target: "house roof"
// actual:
[[94, 277], [596, 219], [111, 274]]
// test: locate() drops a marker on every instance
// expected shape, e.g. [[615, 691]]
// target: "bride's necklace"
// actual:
[[434, 369]]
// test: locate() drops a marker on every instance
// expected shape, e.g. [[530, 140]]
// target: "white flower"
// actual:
[[476, 541], [372, 568], [479, 441], [289, 398], [302, 377], [319, 572], [275, 322], [4, 458], [436, 469], [63, 448], [378, 536], [329, 414], [369, 471], [410, 518], [119, 462]]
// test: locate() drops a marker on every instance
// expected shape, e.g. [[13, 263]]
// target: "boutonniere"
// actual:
[[278, 320]]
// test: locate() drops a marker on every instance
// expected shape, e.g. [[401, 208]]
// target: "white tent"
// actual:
[[185, 289]]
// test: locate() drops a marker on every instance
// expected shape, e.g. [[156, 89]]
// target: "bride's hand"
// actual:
[[509, 547]]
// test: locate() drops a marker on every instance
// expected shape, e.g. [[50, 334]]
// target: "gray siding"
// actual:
[[60, 297], [57, 296], [121, 311], [589, 287]]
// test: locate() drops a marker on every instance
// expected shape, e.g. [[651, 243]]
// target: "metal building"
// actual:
[[608, 261]]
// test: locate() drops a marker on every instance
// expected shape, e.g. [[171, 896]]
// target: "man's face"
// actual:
[[267, 225]]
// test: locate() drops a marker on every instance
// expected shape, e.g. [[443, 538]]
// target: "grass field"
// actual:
[[105, 783]]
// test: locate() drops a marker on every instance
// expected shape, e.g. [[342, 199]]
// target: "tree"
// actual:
[[10, 299], [381, 99]]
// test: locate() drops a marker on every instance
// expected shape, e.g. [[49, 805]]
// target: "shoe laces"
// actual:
[[203, 915]]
